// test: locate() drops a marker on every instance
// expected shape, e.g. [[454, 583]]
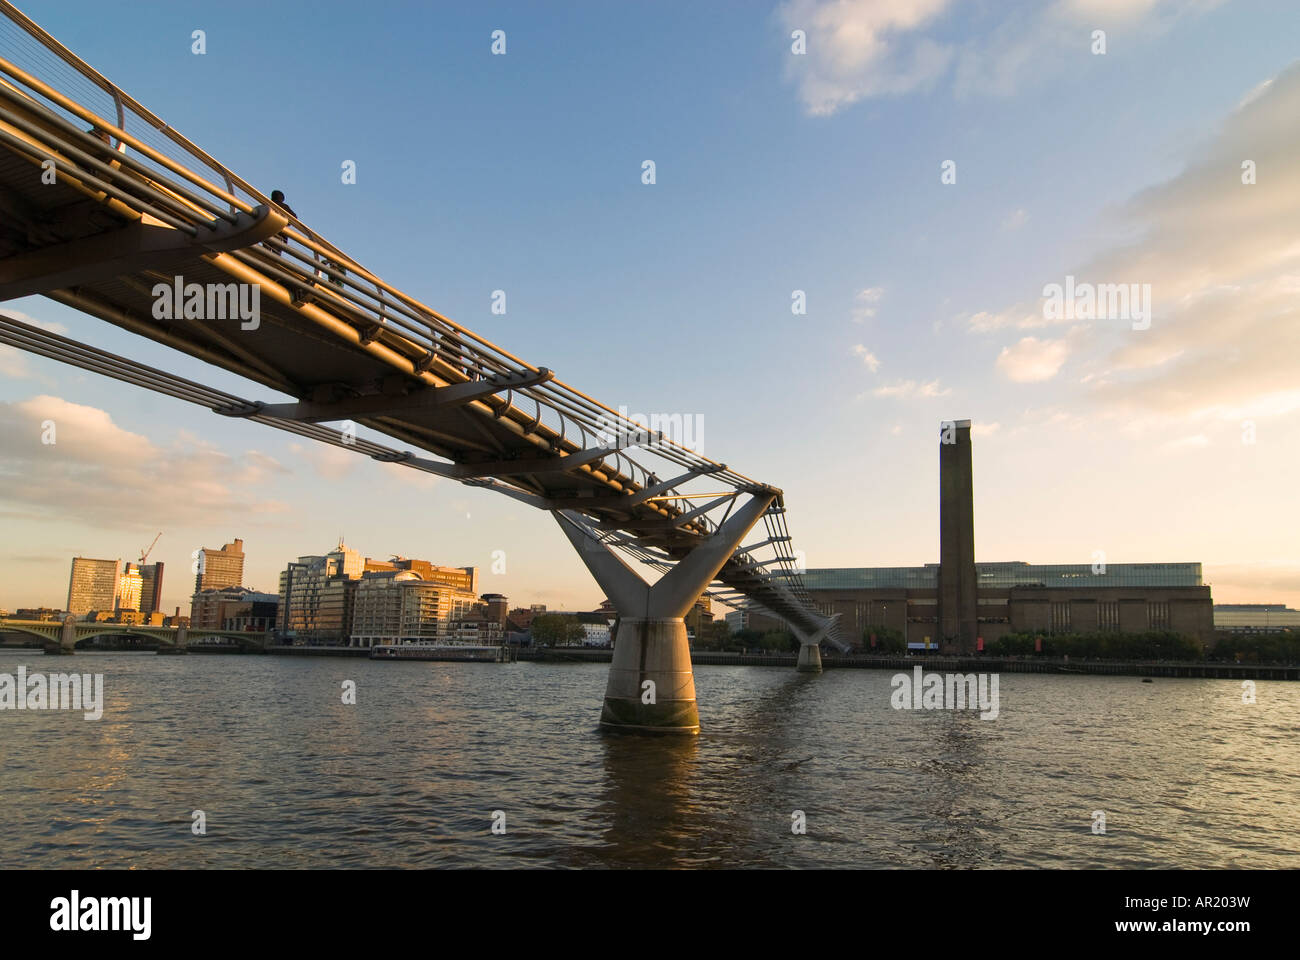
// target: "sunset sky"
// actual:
[[775, 172]]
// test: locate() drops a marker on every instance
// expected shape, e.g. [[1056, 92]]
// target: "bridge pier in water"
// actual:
[[810, 651], [651, 687], [66, 644], [180, 645]]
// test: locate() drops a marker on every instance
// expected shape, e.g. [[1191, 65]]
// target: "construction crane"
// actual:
[[144, 554]]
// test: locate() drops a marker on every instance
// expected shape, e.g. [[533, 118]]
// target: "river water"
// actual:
[[287, 775]]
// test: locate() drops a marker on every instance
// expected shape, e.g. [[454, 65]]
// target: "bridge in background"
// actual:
[[62, 637], [108, 210]]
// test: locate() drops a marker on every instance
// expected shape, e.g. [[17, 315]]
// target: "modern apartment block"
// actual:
[[341, 598], [464, 579], [220, 568], [92, 585], [316, 595], [402, 607]]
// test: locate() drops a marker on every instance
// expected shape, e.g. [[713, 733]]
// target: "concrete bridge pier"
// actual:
[[181, 643], [67, 642], [651, 687], [810, 651], [810, 658]]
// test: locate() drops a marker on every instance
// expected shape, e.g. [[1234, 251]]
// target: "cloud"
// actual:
[[1224, 265], [904, 389], [98, 473], [405, 476], [1015, 219], [1032, 360], [1034, 41], [16, 364], [859, 49], [867, 356], [27, 318], [329, 462], [1183, 444], [1223, 262], [864, 304], [862, 48]]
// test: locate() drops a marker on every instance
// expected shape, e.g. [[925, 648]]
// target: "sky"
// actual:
[[922, 172]]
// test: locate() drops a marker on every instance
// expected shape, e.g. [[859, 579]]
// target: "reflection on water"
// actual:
[[288, 775]]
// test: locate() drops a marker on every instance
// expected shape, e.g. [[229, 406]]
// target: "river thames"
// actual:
[[287, 775]]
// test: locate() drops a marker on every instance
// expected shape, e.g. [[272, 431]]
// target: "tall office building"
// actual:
[[92, 585], [220, 568], [129, 585], [151, 580], [958, 623]]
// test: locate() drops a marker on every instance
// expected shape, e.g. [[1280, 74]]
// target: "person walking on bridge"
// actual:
[[277, 197]]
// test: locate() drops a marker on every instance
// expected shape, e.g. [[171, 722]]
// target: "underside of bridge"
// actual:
[[106, 209]]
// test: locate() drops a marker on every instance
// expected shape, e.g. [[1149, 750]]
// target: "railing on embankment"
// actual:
[[1220, 671], [1214, 671]]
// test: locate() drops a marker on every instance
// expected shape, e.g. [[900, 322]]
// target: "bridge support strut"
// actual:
[[651, 687], [810, 651], [67, 642]]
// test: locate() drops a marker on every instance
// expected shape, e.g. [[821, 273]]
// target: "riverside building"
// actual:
[[92, 585], [953, 605]]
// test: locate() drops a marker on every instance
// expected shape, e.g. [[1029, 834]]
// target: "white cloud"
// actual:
[[868, 358], [864, 304], [15, 363], [1022, 317], [27, 318], [1224, 266], [904, 389], [1015, 219], [862, 48], [1183, 444], [858, 49], [98, 473], [1032, 360], [329, 462]]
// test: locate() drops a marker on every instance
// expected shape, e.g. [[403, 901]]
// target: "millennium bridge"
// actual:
[[107, 209]]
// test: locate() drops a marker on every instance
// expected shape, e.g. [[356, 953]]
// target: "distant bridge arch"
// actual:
[[56, 632]]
